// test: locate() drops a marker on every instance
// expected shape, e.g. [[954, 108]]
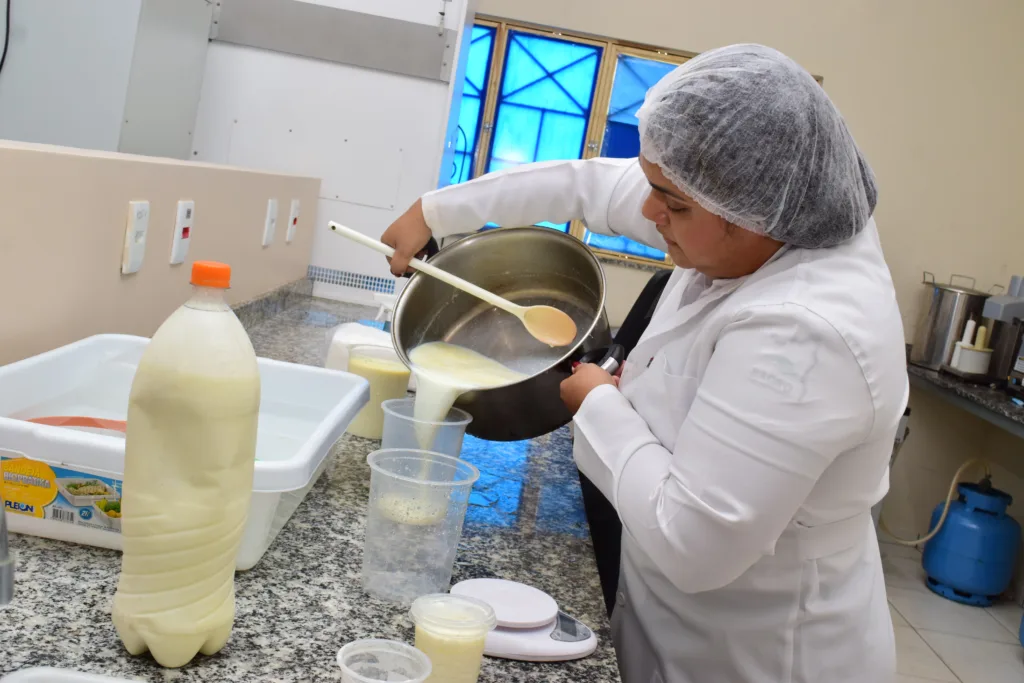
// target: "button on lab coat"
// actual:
[[747, 442]]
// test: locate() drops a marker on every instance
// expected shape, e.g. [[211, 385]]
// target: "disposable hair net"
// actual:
[[751, 137]]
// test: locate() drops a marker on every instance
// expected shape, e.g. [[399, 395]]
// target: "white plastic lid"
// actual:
[[515, 605], [453, 615]]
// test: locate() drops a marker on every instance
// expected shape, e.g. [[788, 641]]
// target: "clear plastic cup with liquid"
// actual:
[[403, 430], [388, 377], [418, 502], [369, 661], [452, 631]]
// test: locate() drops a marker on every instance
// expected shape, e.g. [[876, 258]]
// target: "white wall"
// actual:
[[376, 139], [66, 80]]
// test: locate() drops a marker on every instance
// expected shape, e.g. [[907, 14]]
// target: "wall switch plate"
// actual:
[[293, 221], [136, 228], [182, 231], [270, 224]]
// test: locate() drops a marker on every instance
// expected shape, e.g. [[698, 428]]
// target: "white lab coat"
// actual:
[[744, 449]]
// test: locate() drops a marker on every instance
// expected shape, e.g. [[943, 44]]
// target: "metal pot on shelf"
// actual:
[[527, 266], [946, 312]]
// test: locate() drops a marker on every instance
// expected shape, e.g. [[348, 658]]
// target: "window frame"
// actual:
[[594, 135]]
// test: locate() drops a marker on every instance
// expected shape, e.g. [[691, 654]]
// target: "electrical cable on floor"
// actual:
[[957, 478], [7, 35]]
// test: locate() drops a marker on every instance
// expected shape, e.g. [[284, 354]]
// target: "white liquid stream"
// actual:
[[443, 373]]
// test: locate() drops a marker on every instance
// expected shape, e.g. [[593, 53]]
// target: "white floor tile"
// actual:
[[897, 550], [900, 678], [978, 661], [897, 618], [1009, 615], [935, 613], [915, 658], [904, 572]]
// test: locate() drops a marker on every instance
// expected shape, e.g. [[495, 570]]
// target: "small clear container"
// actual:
[[418, 502], [452, 630], [403, 430], [369, 661], [388, 377]]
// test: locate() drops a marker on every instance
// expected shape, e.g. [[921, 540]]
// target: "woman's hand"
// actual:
[[585, 378], [408, 236]]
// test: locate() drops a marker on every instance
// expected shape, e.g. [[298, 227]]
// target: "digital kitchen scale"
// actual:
[[530, 627]]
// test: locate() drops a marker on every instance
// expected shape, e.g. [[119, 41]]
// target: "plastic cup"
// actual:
[[452, 631], [418, 503], [367, 661], [403, 430], [388, 378]]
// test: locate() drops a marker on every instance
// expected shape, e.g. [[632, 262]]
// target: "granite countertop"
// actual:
[[303, 601], [990, 404]]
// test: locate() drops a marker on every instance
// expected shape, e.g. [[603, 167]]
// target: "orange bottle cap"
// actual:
[[211, 274]]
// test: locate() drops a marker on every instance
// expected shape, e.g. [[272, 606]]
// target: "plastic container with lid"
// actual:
[[452, 631], [369, 661], [388, 377], [190, 450]]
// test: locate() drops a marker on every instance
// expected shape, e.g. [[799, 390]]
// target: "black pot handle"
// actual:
[[431, 248], [608, 359]]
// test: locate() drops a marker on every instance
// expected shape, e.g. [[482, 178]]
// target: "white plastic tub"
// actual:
[[303, 411]]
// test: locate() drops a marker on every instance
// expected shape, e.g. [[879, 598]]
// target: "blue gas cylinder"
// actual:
[[971, 559]]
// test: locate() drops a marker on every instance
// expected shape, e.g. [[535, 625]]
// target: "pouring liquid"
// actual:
[[443, 373]]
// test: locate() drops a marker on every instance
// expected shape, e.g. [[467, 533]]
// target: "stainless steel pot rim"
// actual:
[[485, 235], [957, 289]]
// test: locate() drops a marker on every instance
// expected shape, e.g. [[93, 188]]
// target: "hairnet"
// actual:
[[751, 137]]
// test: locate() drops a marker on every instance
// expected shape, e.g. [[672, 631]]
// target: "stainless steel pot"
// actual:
[[527, 266], [946, 312]]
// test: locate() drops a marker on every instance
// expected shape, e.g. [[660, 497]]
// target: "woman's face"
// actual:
[[696, 237]]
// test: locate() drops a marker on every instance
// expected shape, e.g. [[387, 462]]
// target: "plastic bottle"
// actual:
[[189, 457]]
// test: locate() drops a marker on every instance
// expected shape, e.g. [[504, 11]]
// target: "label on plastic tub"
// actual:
[[36, 489]]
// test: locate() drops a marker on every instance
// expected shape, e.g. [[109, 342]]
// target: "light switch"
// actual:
[[182, 231], [293, 221], [270, 224], [136, 228]]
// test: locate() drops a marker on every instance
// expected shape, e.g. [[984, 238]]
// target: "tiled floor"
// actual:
[[940, 640]]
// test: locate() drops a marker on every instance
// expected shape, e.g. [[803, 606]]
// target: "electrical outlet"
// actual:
[[182, 231], [293, 221], [136, 228], [270, 224]]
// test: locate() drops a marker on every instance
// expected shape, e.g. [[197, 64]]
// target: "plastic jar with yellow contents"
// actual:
[[388, 378], [451, 630]]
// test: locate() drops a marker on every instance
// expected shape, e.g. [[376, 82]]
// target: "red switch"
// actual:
[[184, 232]]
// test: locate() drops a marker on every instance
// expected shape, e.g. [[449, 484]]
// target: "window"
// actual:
[[471, 109], [537, 95]]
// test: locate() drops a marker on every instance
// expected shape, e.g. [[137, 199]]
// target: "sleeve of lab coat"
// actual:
[[781, 397], [606, 193]]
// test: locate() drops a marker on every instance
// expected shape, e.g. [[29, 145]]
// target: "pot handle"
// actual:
[[974, 281], [928, 278], [431, 248], [996, 289], [608, 359]]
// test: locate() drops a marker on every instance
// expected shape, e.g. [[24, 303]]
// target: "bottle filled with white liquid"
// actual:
[[189, 458]]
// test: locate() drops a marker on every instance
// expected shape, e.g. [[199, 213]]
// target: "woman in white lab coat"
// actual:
[[750, 432]]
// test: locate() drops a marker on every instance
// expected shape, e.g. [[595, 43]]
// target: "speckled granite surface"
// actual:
[[991, 399], [303, 601]]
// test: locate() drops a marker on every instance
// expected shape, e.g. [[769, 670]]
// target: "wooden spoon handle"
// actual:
[[433, 271]]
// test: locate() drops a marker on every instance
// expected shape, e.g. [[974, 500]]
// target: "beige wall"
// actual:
[[933, 91], [62, 225]]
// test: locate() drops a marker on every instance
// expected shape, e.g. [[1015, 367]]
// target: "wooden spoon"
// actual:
[[545, 323]]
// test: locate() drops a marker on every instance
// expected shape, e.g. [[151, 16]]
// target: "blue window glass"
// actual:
[[474, 90], [544, 102], [633, 77]]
